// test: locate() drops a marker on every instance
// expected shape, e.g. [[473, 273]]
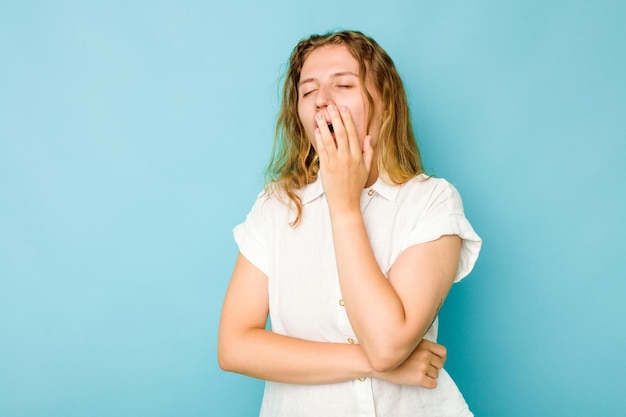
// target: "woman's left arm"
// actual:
[[389, 315]]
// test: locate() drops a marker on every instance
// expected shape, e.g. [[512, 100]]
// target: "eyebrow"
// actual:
[[335, 75]]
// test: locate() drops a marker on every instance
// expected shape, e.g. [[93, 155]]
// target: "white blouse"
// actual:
[[305, 299]]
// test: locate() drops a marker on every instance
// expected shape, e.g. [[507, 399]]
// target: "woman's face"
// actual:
[[330, 75]]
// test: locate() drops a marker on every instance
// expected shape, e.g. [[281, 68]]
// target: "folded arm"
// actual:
[[390, 315], [245, 346]]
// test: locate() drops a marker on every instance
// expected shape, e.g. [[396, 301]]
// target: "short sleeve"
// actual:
[[444, 215], [251, 236]]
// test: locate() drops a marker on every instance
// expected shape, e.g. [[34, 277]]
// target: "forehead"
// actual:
[[329, 59]]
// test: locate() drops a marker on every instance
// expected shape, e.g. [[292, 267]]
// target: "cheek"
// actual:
[[359, 118], [307, 129], [304, 114], [300, 115]]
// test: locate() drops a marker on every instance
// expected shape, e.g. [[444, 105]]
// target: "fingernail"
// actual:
[[319, 116], [343, 109], [332, 108]]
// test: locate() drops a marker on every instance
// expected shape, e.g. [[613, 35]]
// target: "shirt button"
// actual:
[[351, 340], [341, 302], [370, 193], [362, 379]]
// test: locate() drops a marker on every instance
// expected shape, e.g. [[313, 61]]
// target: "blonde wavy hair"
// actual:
[[294, 162]]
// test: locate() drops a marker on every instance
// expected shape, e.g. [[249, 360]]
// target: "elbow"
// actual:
[[234, 352], [386, 360], [227, 362], [382, 366], [223, 361], [226, 359]]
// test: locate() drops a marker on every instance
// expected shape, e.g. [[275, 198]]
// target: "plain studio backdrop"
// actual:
[[133, 138]]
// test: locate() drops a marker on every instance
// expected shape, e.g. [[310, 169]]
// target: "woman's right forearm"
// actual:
[[262, 354], [246, 347]]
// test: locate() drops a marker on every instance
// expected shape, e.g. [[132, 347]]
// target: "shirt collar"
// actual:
[[386, 190], [312, 191]]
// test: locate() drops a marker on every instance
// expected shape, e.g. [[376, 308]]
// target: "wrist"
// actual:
[[347, 213]]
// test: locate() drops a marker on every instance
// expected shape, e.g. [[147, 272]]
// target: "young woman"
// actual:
[[351, 249]]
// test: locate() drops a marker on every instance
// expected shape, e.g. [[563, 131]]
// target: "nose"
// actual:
[[323, 98]]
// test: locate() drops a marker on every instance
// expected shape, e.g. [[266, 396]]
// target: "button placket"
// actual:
[[365, 397], [366, 199], [343, 323]]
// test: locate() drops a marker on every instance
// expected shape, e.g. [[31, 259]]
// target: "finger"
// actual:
[[339, 129], [353, 138], [437, 349], [432, 372], [325, 139], [428, 382], [368, 152], [437, 362], [319, 145]]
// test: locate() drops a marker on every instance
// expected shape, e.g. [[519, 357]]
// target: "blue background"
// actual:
[[133, 137]]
